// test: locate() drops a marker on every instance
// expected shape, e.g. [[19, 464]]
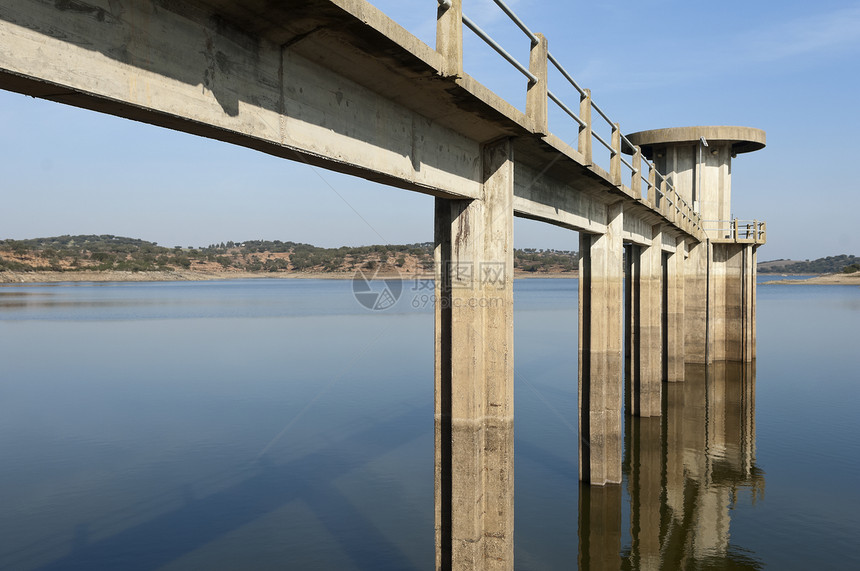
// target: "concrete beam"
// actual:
[[181, 70], [637, 230], [669, 241], [539, 196], [474, 372]]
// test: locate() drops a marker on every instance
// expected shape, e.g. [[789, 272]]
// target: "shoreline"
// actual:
[[8, 278], [823, 279]]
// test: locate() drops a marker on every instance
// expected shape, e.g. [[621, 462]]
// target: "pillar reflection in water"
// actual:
[[683, 473], [599, 526]]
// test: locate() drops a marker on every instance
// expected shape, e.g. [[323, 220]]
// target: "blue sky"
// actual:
[[790, 68]]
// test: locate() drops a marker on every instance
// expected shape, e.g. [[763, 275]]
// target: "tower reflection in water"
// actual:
[[683, 473]]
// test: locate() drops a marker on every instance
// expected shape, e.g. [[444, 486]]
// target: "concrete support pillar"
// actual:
[[644, 327], [647, 395], [725, 301], [599, 527], [698, 310], [474, 372], [631, 323], [600, 351], [675, 321], [749, 302], [733, 284]]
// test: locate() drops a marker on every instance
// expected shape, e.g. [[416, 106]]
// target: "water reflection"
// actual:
[[177, 528], [683, 473]]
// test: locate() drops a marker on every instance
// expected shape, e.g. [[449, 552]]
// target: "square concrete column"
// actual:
[[749, 302], [647, 379], [632, 270], [675, 322], [698, 305], [724, 295], [600, 351], [474, 372], [733, 282]]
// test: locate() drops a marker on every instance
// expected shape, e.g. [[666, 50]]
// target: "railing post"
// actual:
[[686, 215], [536, 97], [661, 197], [652, 184], [676, 200], [449, 37], [735, 231], [615, 161], [636, 182], [585, 131], [667, 206]]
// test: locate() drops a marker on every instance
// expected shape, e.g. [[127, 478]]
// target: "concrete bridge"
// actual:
[[337, 84]]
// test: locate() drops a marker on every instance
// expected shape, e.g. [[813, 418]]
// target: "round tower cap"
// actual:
[[742, 139]]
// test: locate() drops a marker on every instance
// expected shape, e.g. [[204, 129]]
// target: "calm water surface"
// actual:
[[280, 425]]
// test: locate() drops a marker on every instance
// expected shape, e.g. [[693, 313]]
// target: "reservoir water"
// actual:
[[279, 424]]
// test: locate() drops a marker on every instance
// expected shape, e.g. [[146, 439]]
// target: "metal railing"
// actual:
[[740, 231], [661, 195], [499, 49]]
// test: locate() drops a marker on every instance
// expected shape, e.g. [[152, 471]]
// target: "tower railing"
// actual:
[[646, 184], [736, 231]]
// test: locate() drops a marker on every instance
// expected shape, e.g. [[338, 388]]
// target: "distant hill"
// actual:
[[829, 265], [108, 252]]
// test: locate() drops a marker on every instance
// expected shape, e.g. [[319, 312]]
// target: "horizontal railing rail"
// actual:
[[660, 194], [499, 49], [754, 231]]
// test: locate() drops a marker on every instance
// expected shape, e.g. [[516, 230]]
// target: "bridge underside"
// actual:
[[337, 84], [333, 84]]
